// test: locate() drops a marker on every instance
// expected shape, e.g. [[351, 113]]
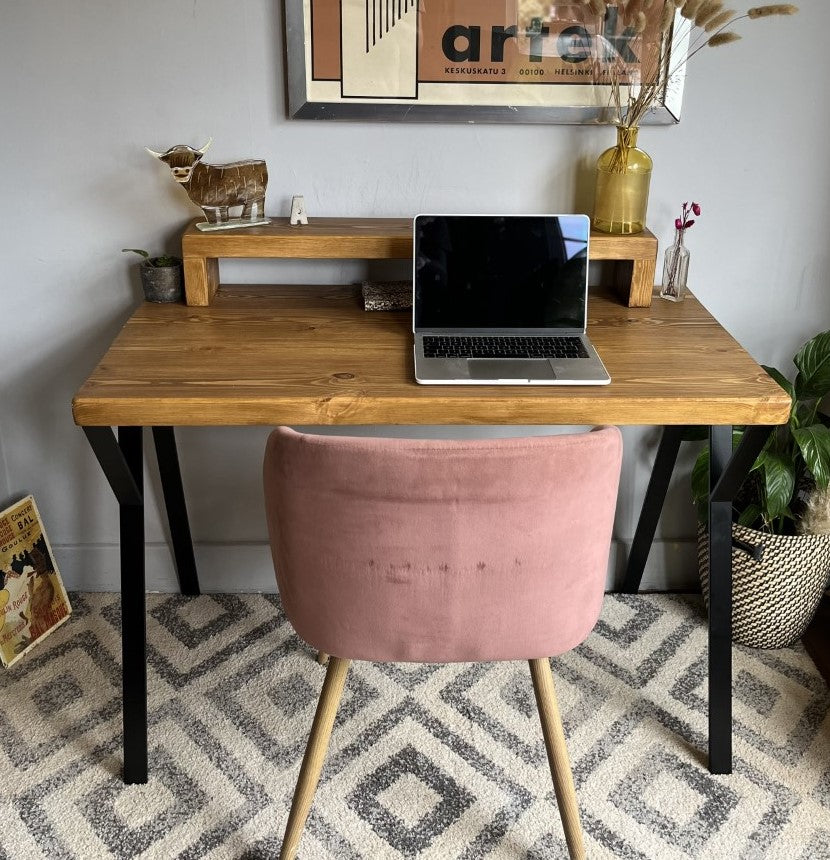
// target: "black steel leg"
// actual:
[[122, 462], [727, 471], [171, 484], [740, 463], [111, 458], [720, 607], [133, 617], [658, 485]]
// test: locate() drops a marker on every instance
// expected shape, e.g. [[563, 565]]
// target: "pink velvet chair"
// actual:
[[441, 551]]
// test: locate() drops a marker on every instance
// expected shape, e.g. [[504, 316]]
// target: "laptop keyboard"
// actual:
[[493, 346]]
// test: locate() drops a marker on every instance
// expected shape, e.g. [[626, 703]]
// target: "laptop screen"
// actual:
[[500, 271]]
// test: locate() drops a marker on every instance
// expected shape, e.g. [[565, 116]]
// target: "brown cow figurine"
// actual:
[[216, 187]]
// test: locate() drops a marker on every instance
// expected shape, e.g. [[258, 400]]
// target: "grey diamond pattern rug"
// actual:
[[425, 761]]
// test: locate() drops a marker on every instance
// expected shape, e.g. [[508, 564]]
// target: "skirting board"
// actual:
[[247, 567]]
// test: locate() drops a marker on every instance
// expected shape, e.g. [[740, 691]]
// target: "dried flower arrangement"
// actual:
[[815, 516], [671, 286], [705, 23]]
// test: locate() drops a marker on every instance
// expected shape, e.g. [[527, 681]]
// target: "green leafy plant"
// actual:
[[796, 458], [156, 262]]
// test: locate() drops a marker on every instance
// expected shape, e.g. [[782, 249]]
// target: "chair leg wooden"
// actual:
[[560, 767], [315, 754]]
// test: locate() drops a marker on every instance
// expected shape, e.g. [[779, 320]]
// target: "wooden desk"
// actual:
[[311, 355]]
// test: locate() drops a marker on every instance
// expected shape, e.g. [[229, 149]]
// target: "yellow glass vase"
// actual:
[[623, 177]]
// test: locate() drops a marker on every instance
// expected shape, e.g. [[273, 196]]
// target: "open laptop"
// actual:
[[502, 300]]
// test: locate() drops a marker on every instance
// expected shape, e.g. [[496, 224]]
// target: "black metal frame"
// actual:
[[122, 461], [658, 485], [171, 485], [727, 470]]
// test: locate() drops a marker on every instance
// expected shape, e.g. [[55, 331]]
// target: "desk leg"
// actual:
[[122, 462], [720, 608], [171, 484], [658, 486], [727, 470]]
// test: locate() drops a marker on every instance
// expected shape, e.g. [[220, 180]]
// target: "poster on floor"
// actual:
[[33, 601]]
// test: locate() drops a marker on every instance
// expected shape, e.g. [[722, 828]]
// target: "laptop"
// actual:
[[502, 300]]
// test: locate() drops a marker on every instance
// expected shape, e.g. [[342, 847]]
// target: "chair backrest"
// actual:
[[439, 550]]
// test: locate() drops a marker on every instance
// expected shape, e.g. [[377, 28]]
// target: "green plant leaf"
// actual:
[[779, 483], [783, 382], [813, 363], [164, 261], [700, 478], [138, 251], [780, 525], [814, 444], [737, 435], [700, 474], [748, 515]]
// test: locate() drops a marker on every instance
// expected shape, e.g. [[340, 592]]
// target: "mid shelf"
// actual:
[[376, 239]]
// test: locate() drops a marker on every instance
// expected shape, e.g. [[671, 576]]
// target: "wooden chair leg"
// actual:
[[315, 754], [560, 768], [322, 658]]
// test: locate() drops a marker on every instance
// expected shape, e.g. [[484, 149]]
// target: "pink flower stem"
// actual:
[[671, 288]]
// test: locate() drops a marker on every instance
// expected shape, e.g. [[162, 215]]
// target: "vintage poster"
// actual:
[[467, 58], [33, 601]]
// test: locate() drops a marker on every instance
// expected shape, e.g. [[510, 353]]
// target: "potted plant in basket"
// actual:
[[781, 514], [161, 277]]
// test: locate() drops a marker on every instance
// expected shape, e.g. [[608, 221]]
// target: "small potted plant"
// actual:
[[161, 277], [781, 515]]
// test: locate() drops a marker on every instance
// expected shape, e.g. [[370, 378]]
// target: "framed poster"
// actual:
[[474, 60]]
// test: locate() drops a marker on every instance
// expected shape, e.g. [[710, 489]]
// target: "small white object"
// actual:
[[231, 224], [298, 215]]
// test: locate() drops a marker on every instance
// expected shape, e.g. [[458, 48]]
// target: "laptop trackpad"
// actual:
[[513, 368]]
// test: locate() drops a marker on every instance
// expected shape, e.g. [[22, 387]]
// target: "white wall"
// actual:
[[86, 85]]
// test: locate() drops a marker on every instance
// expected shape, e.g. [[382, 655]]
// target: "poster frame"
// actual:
[[301, 106]]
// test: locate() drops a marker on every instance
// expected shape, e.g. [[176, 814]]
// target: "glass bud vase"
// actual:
[[623, 178], [675, 270]]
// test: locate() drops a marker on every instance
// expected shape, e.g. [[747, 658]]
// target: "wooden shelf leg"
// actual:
[[642, 283], [201, 279]]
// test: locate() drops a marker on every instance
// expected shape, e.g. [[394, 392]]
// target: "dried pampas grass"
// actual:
[[667, 18], [707, 11], [766, 11], [690, 9], [815, 519], [719, 20], [723, 38], [636, 87]]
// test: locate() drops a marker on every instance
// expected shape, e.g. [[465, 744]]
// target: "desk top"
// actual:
[[311, 355]]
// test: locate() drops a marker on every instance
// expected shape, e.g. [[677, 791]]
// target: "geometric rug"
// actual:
[[425, 761]]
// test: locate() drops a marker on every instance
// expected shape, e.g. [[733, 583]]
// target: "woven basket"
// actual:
[[774, 599]]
